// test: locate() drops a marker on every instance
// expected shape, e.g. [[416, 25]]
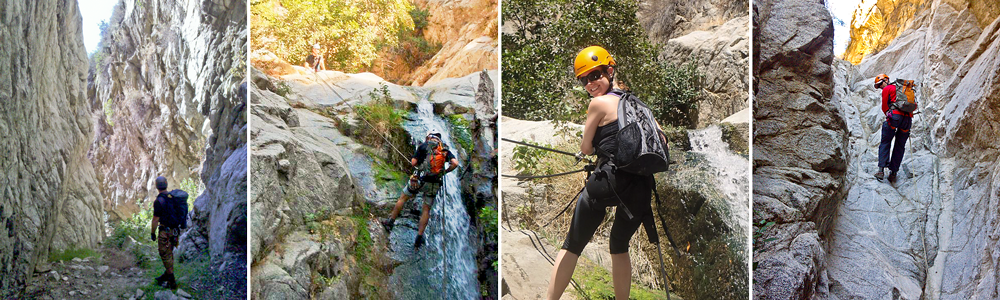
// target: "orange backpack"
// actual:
[[906, 97], [436, 158]]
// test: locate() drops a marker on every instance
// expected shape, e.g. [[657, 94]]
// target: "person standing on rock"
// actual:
[[896, 127], [315, 60], [429, 159], [595, 69], [170, 217]]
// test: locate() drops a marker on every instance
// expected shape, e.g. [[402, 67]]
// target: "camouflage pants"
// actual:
[[167, 241]]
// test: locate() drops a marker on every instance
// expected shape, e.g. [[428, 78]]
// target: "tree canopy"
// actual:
[[350, 32]]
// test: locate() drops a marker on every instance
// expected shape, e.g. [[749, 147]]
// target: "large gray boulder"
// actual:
[[49, 198]]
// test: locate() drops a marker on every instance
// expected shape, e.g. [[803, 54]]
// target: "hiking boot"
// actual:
[[419, 242], [892, 177], [388, 223], [879, 175], [160, 280], [171, 282]]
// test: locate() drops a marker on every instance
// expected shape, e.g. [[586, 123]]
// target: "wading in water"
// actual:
[[898, 104], [624, 181], [170, 216], [429, 159]]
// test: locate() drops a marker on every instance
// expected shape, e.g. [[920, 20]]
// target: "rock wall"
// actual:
[[665, 19], [468, 32], [152, 94], [877, 23], [799, 158], [722, 56], [48, 199]]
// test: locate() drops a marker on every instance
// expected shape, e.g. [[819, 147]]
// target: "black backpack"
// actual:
[[175, 208], [641, 149]]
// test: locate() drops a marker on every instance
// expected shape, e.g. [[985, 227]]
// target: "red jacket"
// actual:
[[888, 95]]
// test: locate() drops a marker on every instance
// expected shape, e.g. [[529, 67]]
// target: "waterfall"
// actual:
[[445, 267], [732, 174]]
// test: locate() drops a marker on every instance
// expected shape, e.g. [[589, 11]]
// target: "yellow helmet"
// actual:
[[590, 58]]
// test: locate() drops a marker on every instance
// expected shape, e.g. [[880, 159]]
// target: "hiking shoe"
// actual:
[[171, 282], [160, 280], [892, 177], [419, 242], [388, 223], [879, 175]]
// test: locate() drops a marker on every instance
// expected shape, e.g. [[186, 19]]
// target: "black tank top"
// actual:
[[606, 137]]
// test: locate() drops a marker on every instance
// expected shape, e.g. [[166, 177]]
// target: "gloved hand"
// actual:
[[152, 236]]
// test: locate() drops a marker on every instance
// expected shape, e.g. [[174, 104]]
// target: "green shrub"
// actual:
[[380, 127], [538, 60], [71, 253], [136, 227], [461, 133], [488, 219], [528, 160], [109, 112]]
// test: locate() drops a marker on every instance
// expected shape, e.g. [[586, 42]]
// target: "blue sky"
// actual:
[[93, 12], [842, 10]]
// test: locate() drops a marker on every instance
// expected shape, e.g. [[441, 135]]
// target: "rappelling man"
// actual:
[[429, 162]]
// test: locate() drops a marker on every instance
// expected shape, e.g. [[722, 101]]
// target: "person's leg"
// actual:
[[621, 274], [621, 233], [586, 219], [424, 216], [399, 204], [899, 147], [166, 251], [562, 272], [883, 147], [174, 237]]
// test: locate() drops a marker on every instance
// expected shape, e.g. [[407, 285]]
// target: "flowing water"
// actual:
[[445, 267], [732, 173]]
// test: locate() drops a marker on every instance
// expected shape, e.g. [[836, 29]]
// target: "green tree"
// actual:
[[538, 60], [351, 32]]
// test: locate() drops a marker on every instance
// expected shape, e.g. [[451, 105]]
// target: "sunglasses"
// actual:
[[584, 80]]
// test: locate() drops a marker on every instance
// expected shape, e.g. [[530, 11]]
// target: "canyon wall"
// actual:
[[49, 198]]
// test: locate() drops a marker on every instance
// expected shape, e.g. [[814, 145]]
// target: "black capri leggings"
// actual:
[[590, 213]]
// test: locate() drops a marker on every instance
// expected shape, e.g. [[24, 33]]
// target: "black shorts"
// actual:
[[590, 213]]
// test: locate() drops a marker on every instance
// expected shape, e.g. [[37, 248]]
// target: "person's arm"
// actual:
[[452, 161], [595, 113], [156, 219], [453, 164], [322, 63]]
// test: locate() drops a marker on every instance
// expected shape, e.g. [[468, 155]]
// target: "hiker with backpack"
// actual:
[[429, 161], [898, 104], [624, 181], [315, 60], [170, 217]]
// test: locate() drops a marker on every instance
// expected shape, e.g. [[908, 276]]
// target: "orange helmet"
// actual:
[[880, 78], [590, 58]]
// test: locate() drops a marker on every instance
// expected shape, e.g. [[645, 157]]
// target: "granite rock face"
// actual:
[[932, 233], [49, 198], [799, 158], [165, 66], [467, 30], [722, 55]]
